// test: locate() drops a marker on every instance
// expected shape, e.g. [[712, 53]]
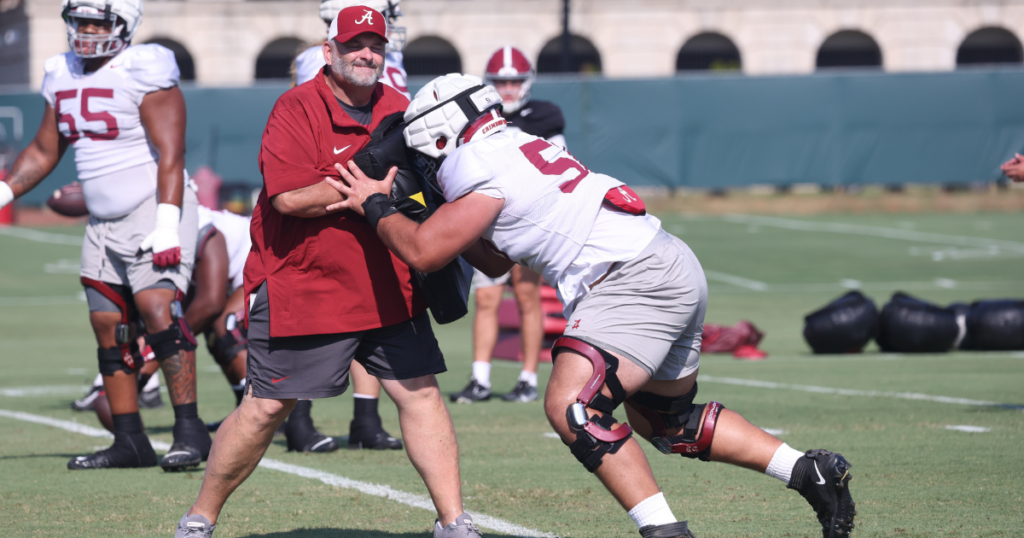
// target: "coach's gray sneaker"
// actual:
[[524, 392], [194, 526], [474, 392], [462, 528]]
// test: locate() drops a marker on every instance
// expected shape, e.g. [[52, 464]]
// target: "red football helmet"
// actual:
[[510, 64]]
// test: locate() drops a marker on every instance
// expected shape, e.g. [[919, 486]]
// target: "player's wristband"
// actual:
[[6, 194], [167, 217], [376, 207]]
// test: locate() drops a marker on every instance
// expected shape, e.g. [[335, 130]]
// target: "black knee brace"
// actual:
[[177, 337], [112, 361], [122, 331], [226, 347], [594, 434], [672, 412]]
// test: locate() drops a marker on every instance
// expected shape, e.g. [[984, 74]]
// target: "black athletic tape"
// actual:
[[168, 342], [111, 361], [589, 451], [376, 207]]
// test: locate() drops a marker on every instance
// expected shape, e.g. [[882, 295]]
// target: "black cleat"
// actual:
[[191, 445], [314, 443], [370, 434], [823, 478], [85, 402], [523, 392], [182, 456], [474, 392], [669, 530], [129, 451], [150, 399]]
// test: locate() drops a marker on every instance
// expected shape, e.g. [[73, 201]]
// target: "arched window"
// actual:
[[708, 52], [583, 56], [431, 56], [181, 55], [275, 60], [990, 46], [849, 48]]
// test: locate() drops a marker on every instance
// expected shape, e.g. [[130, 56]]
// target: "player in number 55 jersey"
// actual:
[[634, 296], [121, 108]]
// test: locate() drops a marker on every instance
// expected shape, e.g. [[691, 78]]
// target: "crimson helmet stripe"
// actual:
[[508, 62]]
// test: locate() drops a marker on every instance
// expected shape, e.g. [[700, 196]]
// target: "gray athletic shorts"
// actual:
[[110, 252], [649, 310], [317, 366]]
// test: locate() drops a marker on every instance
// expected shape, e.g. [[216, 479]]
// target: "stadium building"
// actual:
[[237, 42]]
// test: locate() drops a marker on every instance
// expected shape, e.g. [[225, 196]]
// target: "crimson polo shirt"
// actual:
[[329, 274]]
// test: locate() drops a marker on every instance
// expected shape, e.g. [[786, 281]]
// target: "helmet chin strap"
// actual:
[[489, 123]]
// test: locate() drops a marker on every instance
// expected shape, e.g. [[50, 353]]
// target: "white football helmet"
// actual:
[[329, 9], [449, 111], [124, 16], [509, 63]]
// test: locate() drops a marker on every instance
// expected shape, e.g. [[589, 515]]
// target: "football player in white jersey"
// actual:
[[120, 106], [511, 74], [365, 430], [309, 63], [634, 297]]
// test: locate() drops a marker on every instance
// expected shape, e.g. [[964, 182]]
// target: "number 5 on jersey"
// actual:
[[87, 115], [621, 197]]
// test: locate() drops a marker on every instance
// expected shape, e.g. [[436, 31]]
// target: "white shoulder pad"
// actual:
[[467, 170], [53, 67], [152, 67]]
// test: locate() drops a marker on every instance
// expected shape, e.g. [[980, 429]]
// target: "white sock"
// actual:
[[529, 377], [482, 373], [98, 382], [363, 396], [782, 463], [653, 510], [239, 386], [153, 383]]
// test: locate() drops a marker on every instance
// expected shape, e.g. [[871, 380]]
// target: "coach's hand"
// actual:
[[164, 239], [356, 187]]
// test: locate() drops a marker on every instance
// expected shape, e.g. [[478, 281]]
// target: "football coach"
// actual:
[[322, 289]]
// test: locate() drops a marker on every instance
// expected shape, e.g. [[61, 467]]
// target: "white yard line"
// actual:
[[376, 490], [736, 280], [41, 237], [969, 429], [875, 231], [854, 392], [46, 390]]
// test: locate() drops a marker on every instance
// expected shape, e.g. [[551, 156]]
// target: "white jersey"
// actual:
[[311, 60], [554, 220], [235, 229], [98, 113]]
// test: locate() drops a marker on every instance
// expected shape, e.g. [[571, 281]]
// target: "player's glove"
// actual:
[[6, 194], [164, 239]]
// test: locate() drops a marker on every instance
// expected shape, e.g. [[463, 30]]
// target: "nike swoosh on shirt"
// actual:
[[822, 478], [337, 151], [272, 380]]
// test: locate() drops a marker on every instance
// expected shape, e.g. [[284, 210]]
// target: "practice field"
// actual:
[[935, 440]]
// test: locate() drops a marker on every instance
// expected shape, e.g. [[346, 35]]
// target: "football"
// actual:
[[69, 201]]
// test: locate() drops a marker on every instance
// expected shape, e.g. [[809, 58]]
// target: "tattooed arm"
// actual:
[[40, 157]]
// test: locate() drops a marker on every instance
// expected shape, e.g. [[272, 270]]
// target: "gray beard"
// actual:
[[348, 72]]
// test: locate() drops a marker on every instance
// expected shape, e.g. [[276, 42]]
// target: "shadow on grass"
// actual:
[[338, 533]]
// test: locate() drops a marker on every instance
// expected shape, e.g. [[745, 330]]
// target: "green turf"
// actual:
[[913, 477]]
